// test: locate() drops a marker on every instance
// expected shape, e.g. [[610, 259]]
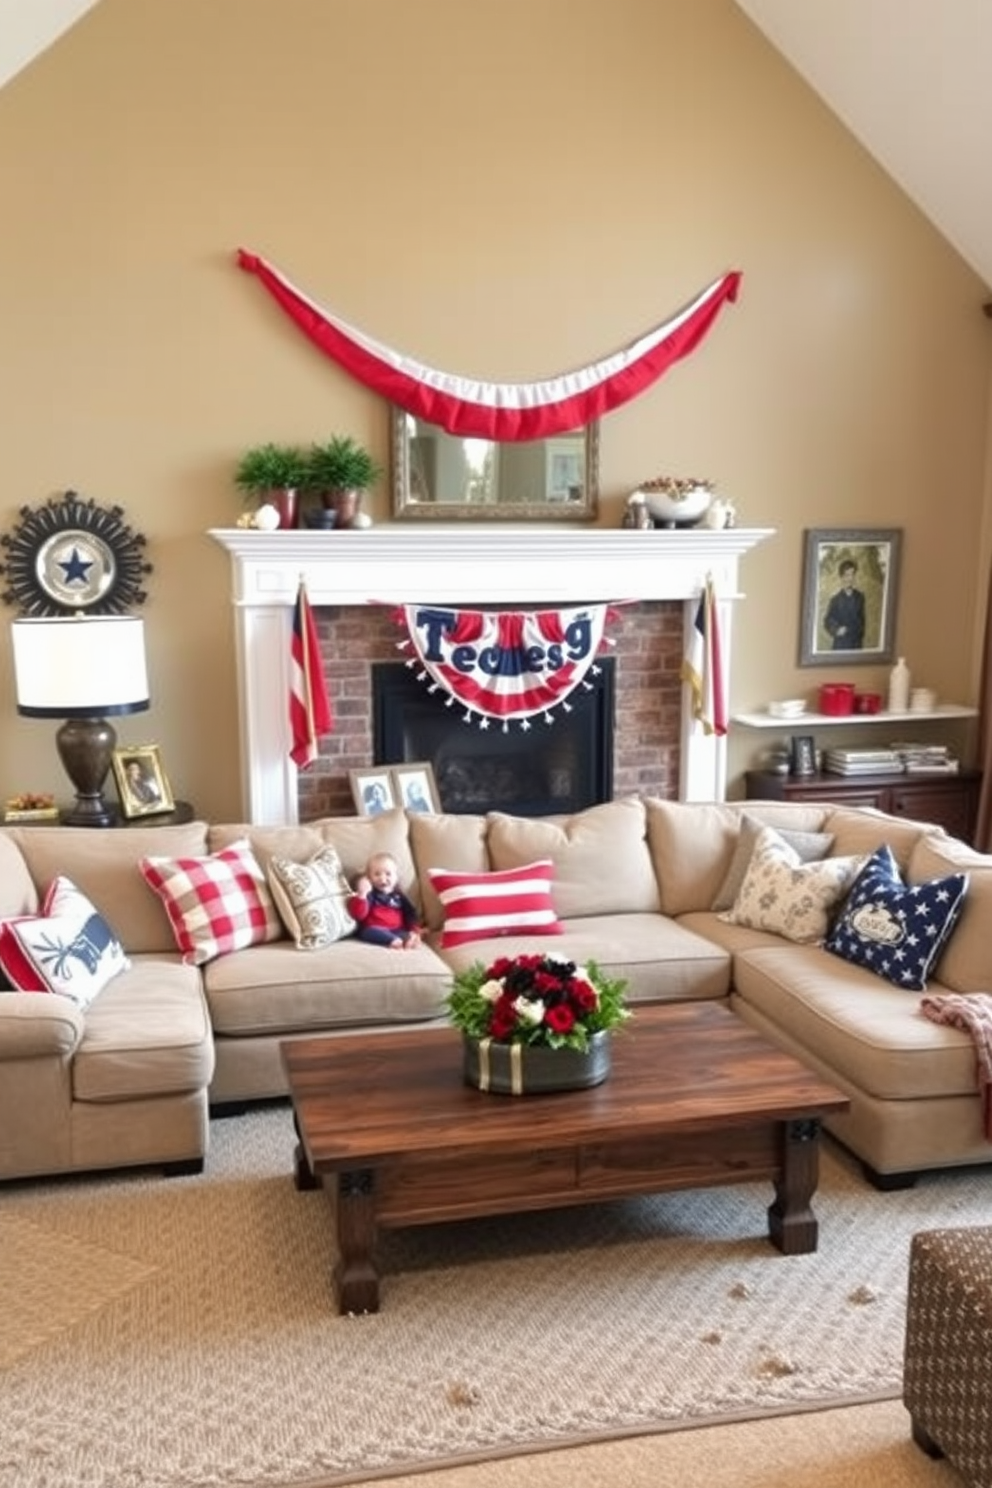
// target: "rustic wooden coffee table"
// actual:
[[695, 1098]]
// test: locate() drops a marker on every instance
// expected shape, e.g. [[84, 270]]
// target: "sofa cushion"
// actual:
[[147, 1035], [18, 891], [350, 984], [311, 898], [860, 830], [966, 961], [69, 946], [479, 906], [217, 903], [104, 866], [692, 843], [810, 846], [791, 898], [456, 842], [660, 961], [871, 1033], [895, 930], [601, 857]]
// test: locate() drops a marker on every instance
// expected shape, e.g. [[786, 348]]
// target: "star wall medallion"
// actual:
[[70, 556]]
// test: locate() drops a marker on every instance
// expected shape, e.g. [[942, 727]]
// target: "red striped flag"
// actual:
[[702, 667], [309, 705]]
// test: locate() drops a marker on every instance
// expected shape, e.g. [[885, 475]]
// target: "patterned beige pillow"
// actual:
[[782, 894], [311, 898]]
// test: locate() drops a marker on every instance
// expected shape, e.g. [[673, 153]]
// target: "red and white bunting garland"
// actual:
[[507, 665], [499, 410]]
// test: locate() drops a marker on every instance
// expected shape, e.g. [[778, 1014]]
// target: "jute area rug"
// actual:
[[172, 1333]]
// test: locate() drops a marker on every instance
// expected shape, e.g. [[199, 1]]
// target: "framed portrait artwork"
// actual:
[[850, 589], [415, 788], [141, 781], [802, 755], [372, 790]]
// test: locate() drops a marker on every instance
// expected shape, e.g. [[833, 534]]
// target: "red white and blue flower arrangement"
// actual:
[[543, 1001]]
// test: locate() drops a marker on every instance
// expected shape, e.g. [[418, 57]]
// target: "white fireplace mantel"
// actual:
[[465, 564]]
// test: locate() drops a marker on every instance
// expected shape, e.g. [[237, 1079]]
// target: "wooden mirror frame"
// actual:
[[406, 508]]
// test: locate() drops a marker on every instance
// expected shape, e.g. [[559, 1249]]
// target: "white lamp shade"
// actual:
[[80, 666]]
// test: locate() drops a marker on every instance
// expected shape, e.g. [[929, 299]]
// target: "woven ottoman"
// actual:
[[947, 1384]]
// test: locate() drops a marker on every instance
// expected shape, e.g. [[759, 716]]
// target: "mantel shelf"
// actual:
[[826, 720]]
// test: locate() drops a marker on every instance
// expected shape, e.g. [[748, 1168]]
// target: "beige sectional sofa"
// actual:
[[130, 1080]]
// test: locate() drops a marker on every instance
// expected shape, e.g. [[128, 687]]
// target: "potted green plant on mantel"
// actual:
[[274, 474], [339, 472]]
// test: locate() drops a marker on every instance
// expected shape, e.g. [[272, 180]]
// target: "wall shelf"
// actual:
[[805, 721]]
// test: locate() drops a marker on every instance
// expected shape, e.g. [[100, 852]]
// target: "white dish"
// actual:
[[788, 708]]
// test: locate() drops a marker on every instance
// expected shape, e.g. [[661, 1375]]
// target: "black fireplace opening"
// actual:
[[562, 763]]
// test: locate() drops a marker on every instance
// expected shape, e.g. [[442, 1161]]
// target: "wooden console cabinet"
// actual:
[[949, 801]]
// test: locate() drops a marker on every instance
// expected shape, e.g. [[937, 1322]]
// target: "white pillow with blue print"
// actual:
[[70, 945], [894, 929]]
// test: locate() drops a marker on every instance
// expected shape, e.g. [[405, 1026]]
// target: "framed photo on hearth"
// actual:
[[850, 589], [416, 788], [141, 781], [372, 790]]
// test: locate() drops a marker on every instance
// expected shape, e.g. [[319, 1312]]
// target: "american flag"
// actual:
[[702, 667], [309, 705]]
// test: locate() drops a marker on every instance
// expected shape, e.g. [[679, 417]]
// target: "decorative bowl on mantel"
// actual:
[[676, 501]]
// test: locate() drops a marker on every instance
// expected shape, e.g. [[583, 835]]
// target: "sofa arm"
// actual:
[[36, 1024]]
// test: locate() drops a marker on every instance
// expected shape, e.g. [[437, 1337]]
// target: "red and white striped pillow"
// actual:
[[215, 904], [513, 901]]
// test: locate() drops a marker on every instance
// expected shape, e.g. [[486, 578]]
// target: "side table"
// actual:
[[181, 812]]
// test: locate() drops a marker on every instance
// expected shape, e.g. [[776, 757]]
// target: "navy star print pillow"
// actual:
[[893, 929]]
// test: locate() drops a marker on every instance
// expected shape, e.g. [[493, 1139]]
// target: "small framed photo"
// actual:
[[372, 791], [416, 788], [850, 588], [802, 755], [141, 781]]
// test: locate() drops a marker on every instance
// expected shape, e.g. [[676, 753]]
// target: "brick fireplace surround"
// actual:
[[354, 581]]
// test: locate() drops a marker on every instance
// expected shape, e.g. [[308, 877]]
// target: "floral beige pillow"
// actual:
[[311, 898], [811, 847], [788, 897]]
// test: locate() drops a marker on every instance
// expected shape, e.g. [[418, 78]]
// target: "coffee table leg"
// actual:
[[355, 1275], [303, 1174], [792, 1225]]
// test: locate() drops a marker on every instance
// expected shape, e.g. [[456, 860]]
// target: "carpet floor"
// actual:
[[180, 1333]]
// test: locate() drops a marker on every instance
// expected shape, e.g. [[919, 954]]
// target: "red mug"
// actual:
[[867, 702], [837, 698]]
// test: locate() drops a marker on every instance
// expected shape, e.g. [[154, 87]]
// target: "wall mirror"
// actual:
[[444, 477]]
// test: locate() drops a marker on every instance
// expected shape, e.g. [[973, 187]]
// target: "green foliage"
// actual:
[[341, 464], [480, 1002], [268, 467]]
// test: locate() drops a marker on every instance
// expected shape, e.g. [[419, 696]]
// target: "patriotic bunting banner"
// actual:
[[499, 410], [702, 667], [505, 665], [309, 705]]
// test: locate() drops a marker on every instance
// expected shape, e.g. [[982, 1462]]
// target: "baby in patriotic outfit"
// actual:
[[384, 914]]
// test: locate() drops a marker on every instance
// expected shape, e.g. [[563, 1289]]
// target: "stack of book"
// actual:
[[862, 761], [926, 759]]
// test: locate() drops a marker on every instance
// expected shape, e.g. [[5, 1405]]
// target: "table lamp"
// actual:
[[82, 669]]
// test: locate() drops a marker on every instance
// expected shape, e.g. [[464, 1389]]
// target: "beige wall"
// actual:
[[507, 188]]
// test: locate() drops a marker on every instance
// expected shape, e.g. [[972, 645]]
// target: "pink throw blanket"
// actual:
[[973, 1015]]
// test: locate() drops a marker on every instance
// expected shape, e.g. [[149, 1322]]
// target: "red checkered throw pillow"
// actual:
[[513, 901], [215, 904]]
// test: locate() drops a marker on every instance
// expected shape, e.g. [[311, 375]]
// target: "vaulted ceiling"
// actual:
[[909, 78]]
